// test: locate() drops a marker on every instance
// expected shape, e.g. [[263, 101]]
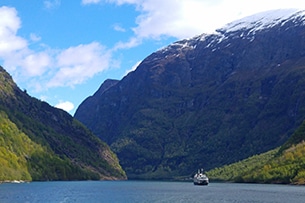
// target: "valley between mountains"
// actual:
[[208, 101], [231, 102]]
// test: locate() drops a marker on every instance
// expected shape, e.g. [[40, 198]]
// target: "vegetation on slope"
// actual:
[[282, 165], [23, 159], [40, 142], [15, 146]]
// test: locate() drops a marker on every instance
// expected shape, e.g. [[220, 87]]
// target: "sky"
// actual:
[[61, 51]]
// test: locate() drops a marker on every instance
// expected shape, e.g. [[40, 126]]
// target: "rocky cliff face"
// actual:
[[207, 101]]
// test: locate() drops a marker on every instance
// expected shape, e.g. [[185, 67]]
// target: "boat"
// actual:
[[200, 178]]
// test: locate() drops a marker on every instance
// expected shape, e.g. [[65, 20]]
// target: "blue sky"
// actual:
[[61, 51]]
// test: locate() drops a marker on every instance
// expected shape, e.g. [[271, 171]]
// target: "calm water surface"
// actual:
[[147, 191]]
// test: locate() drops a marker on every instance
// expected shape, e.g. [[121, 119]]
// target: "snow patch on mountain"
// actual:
[[179, 46], [243, 28], [263, 20]]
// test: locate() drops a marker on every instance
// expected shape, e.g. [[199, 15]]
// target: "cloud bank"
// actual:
[[67, 67], [186, 18], [65, 105]]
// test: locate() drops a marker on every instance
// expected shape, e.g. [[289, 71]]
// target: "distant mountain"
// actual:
[[206, 101], [93, 101], [40, 142]]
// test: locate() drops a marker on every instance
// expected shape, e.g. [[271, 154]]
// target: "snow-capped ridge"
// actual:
[[263, 20], [244, 28]]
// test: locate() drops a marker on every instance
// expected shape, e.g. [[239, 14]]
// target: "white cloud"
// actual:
[[25, 64], [134, 67], [90, 1], [77, 64], [48, 4], [34, 37], [119, 28], [9, 24], [133, 42], [65, 105], [36, 64], [159, 18], [43, 97]]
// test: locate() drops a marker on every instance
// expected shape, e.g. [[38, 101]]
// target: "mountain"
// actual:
[[40, 142], [206, 101]]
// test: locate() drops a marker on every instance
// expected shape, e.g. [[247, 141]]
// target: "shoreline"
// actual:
[[14, 181]]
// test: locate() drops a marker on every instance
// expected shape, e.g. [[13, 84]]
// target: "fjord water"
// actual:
[[148, 191]]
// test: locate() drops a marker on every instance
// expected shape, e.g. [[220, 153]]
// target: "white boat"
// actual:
[[200, 178]]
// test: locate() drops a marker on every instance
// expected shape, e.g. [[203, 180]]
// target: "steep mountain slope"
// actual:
[[207, 101], [40, 142]]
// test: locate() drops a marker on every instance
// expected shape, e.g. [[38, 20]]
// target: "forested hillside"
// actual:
[[282, 165], [40, 142]]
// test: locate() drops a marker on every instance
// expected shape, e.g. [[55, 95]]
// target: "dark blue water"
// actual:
[[146, 191]]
